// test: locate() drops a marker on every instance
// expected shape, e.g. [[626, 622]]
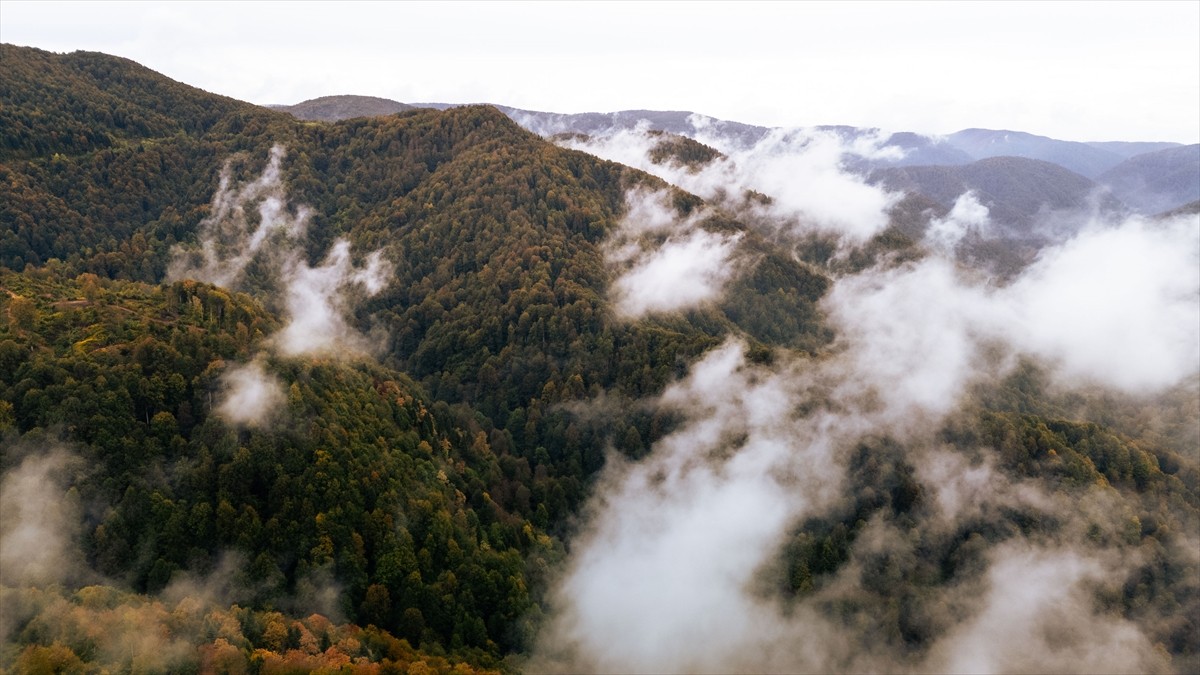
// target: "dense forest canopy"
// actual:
[[396, 393]]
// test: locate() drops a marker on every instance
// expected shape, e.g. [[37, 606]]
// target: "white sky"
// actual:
[[1076, 70]]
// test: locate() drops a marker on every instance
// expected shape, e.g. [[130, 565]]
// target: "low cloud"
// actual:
[[803, 171], [671, 559], [1116, 305], [681, 273], [1039, 599], [230, 238], [911, 334], [249, 395], [674, 541], [967, 217], [40, 520], [316, 300], [666, 261]]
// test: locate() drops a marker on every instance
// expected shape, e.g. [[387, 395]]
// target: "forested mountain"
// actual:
[[1017, 191], [1129, 149], [125, 375], [1083, 158], [368, 395], [1156, 181], [497, 308], [83, 101], [334, 108], [960, 148]]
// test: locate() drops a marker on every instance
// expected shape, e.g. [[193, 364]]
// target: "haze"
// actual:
[[1075, 71]]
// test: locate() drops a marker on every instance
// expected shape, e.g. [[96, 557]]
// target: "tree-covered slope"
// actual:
[[417, 483], [84, 101], [1157, 181], [1017, 191], [334, 108], [500, 296], [1132, 488], [425, 512], [360, 484]]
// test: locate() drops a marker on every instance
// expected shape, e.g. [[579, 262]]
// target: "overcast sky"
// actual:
[[1077, 71]]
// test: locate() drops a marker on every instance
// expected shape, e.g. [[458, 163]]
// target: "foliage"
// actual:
[[432, 489], [499, 302], [363, 485], [100, 629], [681, 150], [1150, 510]]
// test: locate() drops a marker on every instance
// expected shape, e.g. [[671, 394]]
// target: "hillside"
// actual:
[[121, 376], [1083, 158], [498, 308], [84, 101], [424, 391], [922, 151], [335, 108], [1156, 181], [1129, 149], [1017, 191]]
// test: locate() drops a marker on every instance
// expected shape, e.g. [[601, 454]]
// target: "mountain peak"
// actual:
[[343, 106]]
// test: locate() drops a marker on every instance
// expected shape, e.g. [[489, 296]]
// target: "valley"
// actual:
[[357, 385]]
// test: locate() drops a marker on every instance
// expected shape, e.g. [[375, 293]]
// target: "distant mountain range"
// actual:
[[1156, 181], [1146, 177], [1019, 192]]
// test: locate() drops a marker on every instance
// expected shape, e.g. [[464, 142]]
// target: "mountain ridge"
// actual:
[[1157, 181], [438, 471], [1096, 153]]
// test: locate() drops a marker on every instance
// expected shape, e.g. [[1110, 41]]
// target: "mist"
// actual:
[[688, 267], [315, 301], [40, 520], [249, 396], [802, 170], [677, 559], [1037, 617], [675, 540], [230, 237], [1117, 305], [966, 217], [318, 300]]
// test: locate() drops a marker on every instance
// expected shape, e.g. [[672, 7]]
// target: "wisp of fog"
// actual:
[[668, 570]]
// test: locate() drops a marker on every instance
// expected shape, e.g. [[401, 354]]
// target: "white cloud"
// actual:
[[666, 563], [1115, 305], [686, 269], [317, 300], [249, 395], [1120, 305], [1038, 617], [800, 169], [913, 332], [681, 273], [674, 541], [39, 522], [229, 238], [966, 217]]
